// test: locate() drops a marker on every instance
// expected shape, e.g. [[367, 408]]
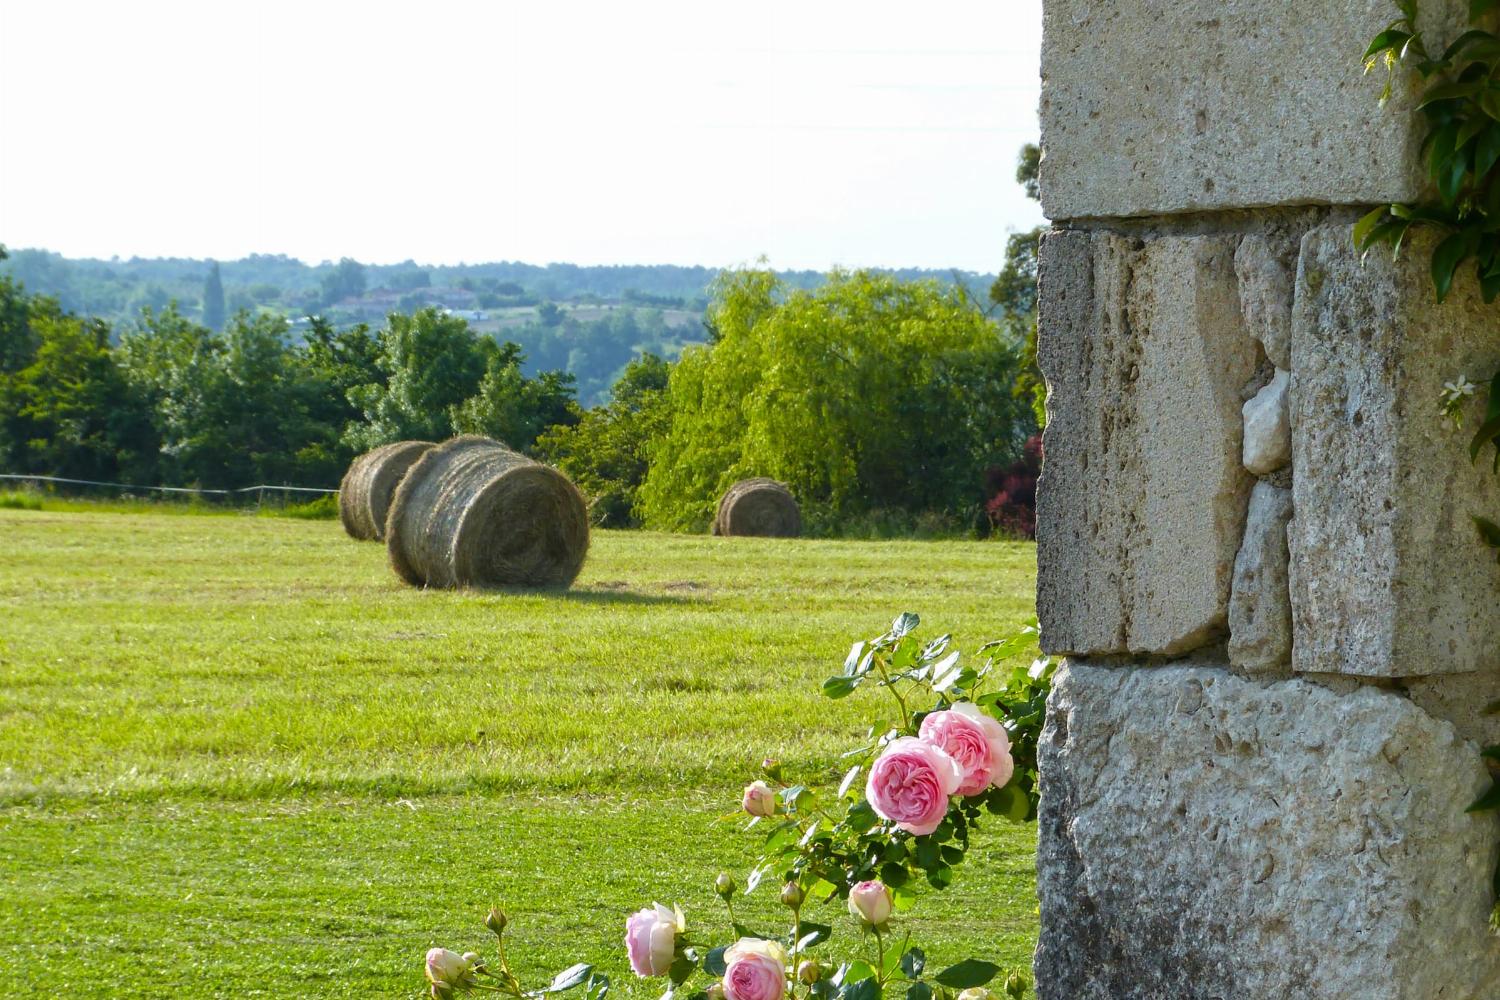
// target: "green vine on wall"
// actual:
[[1460, 103]]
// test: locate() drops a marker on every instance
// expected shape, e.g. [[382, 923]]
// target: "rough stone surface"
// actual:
[[1260, 600], [1388, 576], [1267, 271], [1152, 107], [1142, 496], [1268, 427], [1209, 836], [1462, 699]]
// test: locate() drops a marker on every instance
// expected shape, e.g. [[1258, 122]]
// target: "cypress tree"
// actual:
[[213, 300]]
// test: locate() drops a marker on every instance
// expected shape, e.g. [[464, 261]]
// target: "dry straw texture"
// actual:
[[473, 513], [758, 507], [365, 494]]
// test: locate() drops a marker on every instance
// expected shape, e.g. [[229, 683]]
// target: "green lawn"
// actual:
[[238, 758]]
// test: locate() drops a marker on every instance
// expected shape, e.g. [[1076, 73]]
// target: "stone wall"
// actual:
[[1254, 544]]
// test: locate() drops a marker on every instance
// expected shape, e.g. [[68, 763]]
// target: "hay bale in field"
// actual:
[[365, 494], [472, 512], [758, 507]]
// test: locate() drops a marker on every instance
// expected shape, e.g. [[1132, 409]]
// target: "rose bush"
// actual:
[[932, 773]]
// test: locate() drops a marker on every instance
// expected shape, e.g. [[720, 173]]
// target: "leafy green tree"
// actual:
[[167, 359], [213, 299], [429, 364], [512, 408], [607, 452], [345, 281], [868, 393], [76, 413], [1015, 289]]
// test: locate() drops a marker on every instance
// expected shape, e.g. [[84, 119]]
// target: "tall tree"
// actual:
[[1014, 290], [430, 364], [346, 280], [213, 299]]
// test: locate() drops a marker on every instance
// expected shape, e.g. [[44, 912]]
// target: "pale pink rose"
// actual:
[[759, 799], [871, 903], [651, 939], [910, 783], [754, 970], [977, 742], [447, 968]]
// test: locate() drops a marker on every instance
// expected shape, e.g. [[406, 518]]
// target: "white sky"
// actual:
[[710, 132]]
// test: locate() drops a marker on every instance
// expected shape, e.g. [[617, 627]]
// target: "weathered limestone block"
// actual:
[[1267, 271], [1388, 576], [1268, 428], [1142, 497], [1260, 602], [1152, 107], [1208, 836]]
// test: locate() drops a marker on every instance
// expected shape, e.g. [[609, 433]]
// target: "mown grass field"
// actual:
[[237, 758]]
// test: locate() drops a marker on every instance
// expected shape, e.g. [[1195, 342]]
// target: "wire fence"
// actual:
[[126, 490]]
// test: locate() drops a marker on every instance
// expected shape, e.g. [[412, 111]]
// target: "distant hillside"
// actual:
[[117, 289]]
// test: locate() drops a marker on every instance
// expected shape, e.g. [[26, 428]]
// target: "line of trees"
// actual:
[[871, 396], [170, 401]]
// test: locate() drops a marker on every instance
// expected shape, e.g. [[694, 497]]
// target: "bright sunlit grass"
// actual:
[[235, 752]]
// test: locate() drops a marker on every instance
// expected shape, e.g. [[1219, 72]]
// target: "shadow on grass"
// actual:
[[604, 594], [607, 595]]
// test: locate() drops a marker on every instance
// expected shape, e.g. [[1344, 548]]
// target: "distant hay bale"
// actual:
[[473, 513], [759, 506], [365, 494]]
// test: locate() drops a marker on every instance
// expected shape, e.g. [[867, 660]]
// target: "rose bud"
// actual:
[[447, 969], [724, 885], [772, 768], [871, 903], [1015, 985], [651, 939], [759, 799], [475, 960], [791, 895], [809, 972], [496, 920]]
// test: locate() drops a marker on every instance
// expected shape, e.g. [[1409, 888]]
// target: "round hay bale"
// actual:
[[759, 506], [365, 494], [473, 513]]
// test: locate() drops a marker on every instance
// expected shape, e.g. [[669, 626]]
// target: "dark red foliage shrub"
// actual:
[[1011, 489]]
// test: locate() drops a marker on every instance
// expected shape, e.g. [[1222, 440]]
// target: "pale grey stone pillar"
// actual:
[[1253, 535]]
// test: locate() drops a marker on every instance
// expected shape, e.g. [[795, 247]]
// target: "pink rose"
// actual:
[[871, 903], [754, 970], [651, 939], [977, 742], [759, 799], [910, 783]]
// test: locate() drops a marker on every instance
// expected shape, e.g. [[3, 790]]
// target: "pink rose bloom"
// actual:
[[910, 783], [754, 970], [651, 939], [871, 903], [759, 799], [977, 742]]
